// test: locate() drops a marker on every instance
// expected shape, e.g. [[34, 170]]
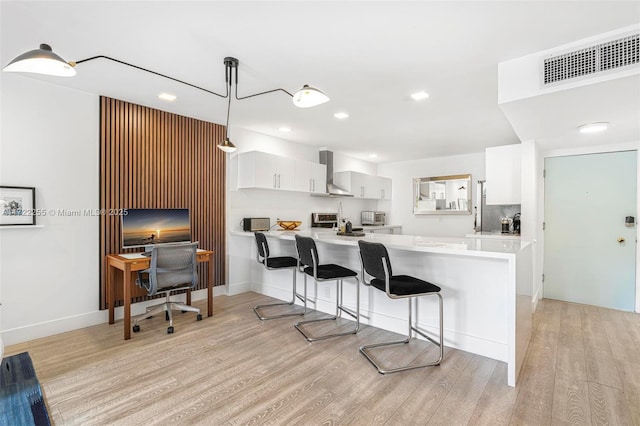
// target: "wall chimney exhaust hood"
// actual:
[[326, 158]]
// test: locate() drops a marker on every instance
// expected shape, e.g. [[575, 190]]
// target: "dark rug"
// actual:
[[21, 401]]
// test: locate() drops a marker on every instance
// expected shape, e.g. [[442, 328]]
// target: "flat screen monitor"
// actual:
[[146, 227]]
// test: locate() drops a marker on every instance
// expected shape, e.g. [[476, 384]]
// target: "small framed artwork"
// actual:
[[17, 205]]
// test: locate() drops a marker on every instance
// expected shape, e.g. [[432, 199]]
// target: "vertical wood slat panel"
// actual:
[[154, 159]]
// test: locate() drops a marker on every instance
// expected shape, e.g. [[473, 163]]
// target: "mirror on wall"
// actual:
[[442, 195]]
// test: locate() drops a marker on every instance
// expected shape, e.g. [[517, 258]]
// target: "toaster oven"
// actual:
[[372, 218], [254, 224]]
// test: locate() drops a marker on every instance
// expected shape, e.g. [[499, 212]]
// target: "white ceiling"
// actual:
[[367, 56]]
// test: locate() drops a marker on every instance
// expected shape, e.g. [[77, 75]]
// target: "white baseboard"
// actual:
[[237, 288], [61, 325]]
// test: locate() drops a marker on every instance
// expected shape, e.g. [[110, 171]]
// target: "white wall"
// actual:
[[402, 175], [49, 276]]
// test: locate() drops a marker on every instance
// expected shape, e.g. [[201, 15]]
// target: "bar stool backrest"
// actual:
[[372, 255], [306, 246], [263, 247]]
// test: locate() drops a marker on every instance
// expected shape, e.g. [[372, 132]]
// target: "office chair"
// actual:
[[375, 262], [273, 264], [173, 268], [308, 255]]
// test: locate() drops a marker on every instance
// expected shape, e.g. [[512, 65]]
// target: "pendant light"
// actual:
[[44, 61], [229, 64], [308, 97], [227, 145], [41, 61]]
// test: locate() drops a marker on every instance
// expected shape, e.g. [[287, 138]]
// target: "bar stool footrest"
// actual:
[[312, 338], [257, 309], [365, 350]]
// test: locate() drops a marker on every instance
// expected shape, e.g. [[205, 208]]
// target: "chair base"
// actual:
[[312, 338], [365, 349], [166, 307], [263, 317]]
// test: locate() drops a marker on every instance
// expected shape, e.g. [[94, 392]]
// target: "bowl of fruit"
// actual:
[[289, 225]]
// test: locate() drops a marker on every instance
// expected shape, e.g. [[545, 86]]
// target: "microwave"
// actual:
[[253, 224], [373, 218]]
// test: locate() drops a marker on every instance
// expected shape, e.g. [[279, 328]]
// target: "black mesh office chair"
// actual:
[[275, 263], [173, 267], [375, 263], [308, 256]]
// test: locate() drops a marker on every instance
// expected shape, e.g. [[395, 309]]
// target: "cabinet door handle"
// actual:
[[274, 180], [310, 185], [278, 180]]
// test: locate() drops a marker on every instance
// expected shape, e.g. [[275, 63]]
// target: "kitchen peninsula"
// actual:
[[486, 286]]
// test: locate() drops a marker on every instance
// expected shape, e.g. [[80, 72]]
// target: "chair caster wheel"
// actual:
[[136, 328], [170, 330], [199, 317]]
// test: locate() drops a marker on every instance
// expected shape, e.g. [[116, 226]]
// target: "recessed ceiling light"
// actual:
[[373, 155], [285, 129], [341, 115], [593, 127], [167, 97], [418, 96]]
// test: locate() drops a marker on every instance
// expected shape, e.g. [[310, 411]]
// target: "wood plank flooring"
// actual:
[[583, 367]]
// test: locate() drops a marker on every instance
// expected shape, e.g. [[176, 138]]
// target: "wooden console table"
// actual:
[[136, 262]]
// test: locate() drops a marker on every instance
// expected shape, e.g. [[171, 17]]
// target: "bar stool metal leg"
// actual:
[[365, 350], [339, 309], [295, 295]]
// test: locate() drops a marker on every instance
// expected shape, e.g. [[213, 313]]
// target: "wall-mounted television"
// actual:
[[146, 227]]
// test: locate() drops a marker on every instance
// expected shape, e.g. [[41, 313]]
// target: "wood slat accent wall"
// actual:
[[155, 159]]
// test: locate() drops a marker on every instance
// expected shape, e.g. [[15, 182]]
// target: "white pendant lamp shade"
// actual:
[[41, 61], [309, 97], [227, 146]]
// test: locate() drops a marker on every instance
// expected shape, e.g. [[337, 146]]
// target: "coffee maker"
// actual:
[[516, 223]]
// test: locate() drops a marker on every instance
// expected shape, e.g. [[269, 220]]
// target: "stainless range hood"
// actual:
[[326, 158]]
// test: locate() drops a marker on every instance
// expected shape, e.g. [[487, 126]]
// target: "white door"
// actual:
[[589, 253]]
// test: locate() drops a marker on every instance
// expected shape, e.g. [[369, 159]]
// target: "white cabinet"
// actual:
[[262, 170], [362, 185], [310, 177], [385, 187], [503, 170]]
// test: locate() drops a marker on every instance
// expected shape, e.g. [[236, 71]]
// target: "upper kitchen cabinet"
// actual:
[[262, 170], [503, 170], [310, 177], [362, 185]]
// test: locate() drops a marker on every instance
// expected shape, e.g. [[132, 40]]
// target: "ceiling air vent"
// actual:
[[593, 59]]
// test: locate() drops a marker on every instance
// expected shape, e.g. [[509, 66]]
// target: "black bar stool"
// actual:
[[375, 262], [308, 255], [276, 263]]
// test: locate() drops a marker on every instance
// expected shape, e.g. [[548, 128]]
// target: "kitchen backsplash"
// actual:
[[491, 215]]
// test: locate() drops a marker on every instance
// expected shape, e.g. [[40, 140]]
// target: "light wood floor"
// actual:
[[583, 367]]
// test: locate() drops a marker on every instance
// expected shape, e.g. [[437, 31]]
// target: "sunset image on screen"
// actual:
[[155, 226]]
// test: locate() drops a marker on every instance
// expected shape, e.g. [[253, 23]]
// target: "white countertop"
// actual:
[[376, 227], [498, 235], [494, 248]]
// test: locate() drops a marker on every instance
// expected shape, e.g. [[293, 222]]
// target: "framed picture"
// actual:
[[17, 205]]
